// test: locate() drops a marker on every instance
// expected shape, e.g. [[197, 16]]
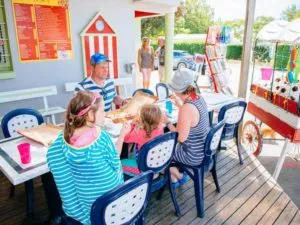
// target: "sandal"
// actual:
[[184, 179], [175, 185]]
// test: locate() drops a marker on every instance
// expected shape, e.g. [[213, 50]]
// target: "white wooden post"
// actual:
[[138, 36], [246, 53], [169, 26], [247, 46], [281, 159]]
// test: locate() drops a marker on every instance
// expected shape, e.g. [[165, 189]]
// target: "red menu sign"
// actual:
[[43, 31]]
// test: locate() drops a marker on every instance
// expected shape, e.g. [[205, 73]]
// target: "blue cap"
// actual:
[[98, 58]]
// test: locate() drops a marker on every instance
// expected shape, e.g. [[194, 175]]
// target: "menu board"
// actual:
[[43, 29]]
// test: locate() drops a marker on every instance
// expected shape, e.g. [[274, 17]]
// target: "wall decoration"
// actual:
[[99, 37], [43, 29], [6, 65]]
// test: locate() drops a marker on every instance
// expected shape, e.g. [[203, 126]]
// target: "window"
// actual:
[[184, 54], [6, 67]]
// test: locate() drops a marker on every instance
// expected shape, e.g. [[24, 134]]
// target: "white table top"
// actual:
[[18, 173], [216, 101], [10, 163]]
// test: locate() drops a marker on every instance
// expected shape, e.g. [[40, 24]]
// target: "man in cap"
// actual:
[[161, 58], [98, 81]]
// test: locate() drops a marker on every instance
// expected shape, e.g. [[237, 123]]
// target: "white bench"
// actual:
[[121, 82], [41, 92]]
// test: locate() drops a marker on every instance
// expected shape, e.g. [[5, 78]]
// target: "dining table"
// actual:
[[18, 173]]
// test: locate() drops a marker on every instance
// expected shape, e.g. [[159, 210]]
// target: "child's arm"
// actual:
[[132, 136], [119, 144]]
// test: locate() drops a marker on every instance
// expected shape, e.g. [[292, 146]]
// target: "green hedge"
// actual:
[[262, 53], [234, 52], [191, 47], [282, 57]]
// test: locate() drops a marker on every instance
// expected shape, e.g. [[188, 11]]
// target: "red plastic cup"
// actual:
[[24, 150]]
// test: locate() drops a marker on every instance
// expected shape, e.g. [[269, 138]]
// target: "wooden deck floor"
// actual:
[[248, 195]]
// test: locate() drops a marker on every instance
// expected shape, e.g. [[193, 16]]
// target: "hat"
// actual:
[[98, 58], [181, 80]]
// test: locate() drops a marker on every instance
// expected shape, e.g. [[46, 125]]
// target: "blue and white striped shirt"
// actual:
[[191, 151], [82, 175], [107, 91]]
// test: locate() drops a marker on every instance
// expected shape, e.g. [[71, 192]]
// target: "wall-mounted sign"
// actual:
[[99, 37], [43, 29]]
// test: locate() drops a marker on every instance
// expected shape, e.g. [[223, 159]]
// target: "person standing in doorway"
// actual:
[[146, 61], [161, 59]]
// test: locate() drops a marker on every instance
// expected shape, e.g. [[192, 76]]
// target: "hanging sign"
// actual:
[[43, 29]]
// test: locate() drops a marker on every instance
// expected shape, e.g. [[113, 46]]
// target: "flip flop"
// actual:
[[175, 185], [184, 179]]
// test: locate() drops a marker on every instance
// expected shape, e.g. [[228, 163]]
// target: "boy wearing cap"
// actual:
[[99, 82]]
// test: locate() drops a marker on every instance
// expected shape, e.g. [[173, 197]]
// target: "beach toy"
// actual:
[[291, 68], [266, 73]]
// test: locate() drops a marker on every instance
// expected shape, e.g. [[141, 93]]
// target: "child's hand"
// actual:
[[136, 121], [124, 102], [125, 129], [164, 119], [175, 101]]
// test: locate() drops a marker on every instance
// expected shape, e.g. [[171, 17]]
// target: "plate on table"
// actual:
[[44, 134], [130, 110], [112, 128]]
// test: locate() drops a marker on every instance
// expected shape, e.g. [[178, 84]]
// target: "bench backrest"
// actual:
[[11, 96], [32, 93]]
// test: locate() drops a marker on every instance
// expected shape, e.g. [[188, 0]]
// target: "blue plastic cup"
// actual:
[[169, 106]]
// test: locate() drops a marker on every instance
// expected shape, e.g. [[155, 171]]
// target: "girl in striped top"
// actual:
[[193, 121], [83, 160]]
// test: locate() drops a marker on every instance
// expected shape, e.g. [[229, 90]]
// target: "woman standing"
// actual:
[[146, 61]]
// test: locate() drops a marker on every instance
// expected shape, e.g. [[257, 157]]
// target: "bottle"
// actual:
[[169, 107]]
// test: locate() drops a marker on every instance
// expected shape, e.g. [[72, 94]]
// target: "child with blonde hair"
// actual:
[[149, 126], [83, 159]]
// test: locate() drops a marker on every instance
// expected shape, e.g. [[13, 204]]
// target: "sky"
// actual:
[[235, 9]]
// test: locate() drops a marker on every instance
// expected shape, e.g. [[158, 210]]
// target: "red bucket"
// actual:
[[266, 73]]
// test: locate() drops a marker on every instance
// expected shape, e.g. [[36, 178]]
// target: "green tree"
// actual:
[[180, 27], [198, 16], [192, 16], [290, 13], [180, 21], [153, 27], [260, 22]]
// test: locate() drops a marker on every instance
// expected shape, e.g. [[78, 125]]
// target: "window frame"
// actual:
[[6, 74]]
